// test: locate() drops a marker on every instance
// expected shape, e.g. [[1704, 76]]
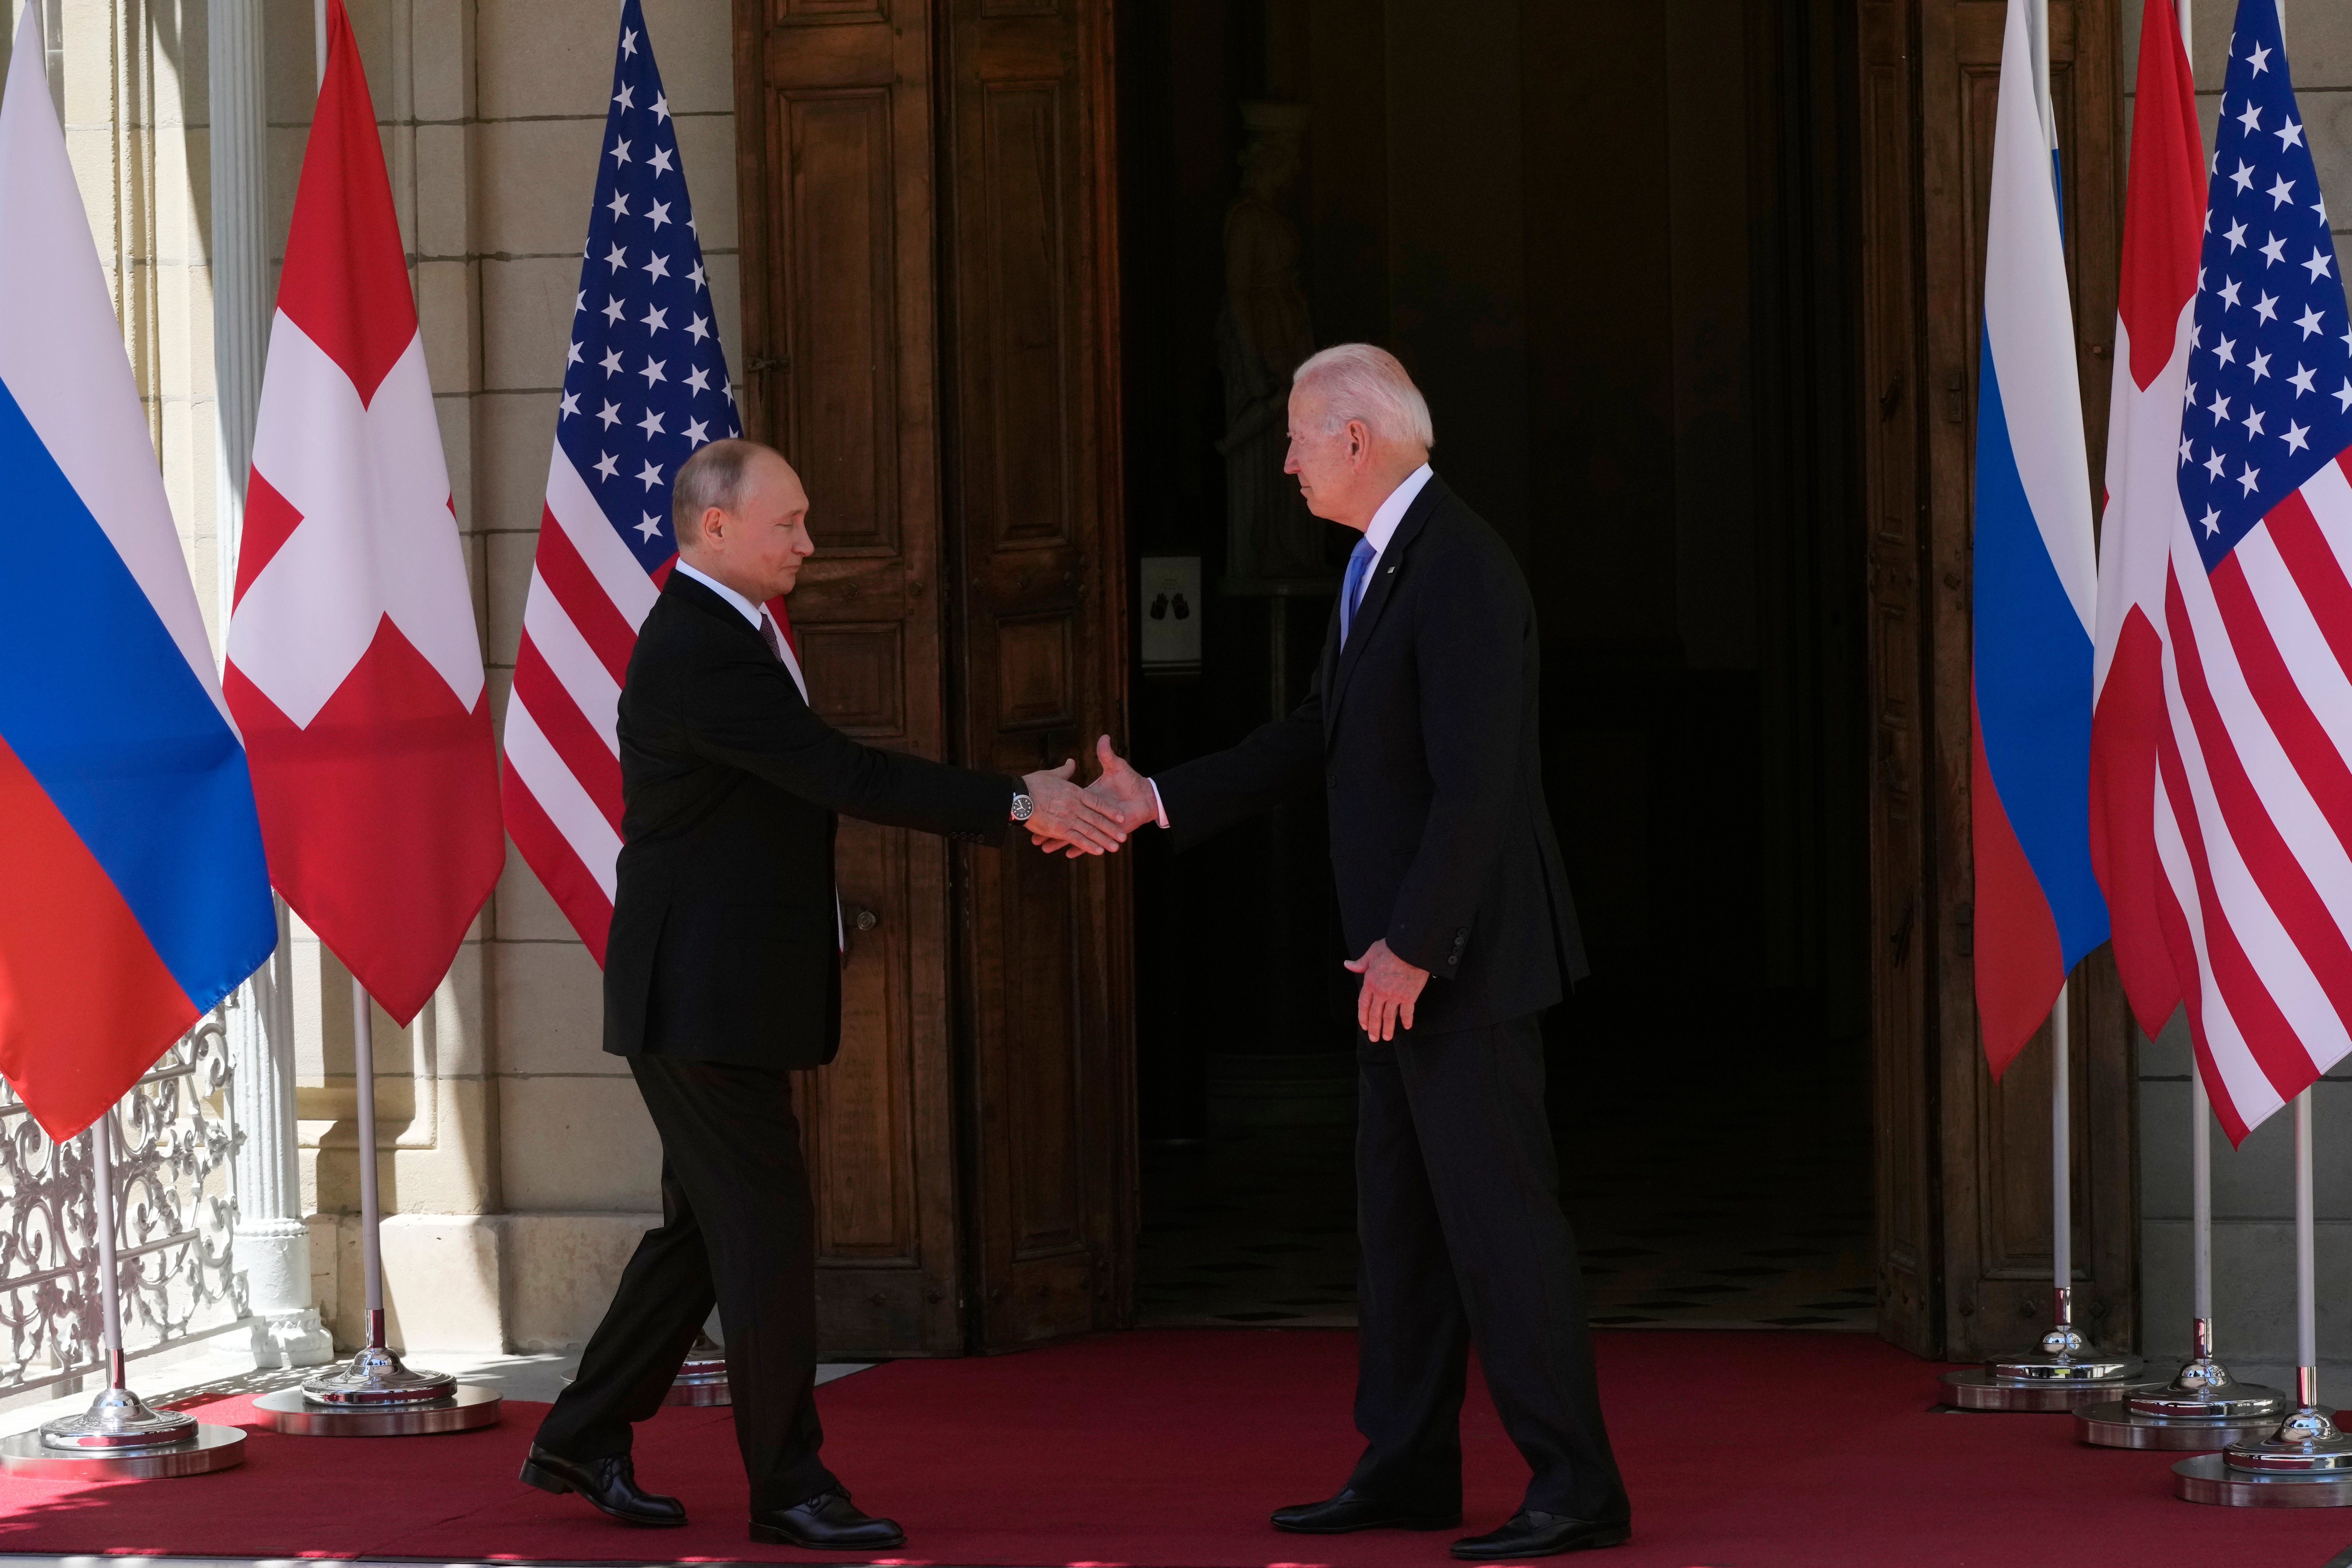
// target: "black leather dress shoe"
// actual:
[[609, 1484], [1351, 1510], [1533, 1534], [828, 1523]]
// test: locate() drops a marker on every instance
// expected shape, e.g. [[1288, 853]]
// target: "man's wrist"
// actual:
[[1024, 805]]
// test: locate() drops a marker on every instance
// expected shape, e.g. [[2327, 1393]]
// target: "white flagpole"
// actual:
[[2061, 1204], [2037, 32], [2062, 1190], [2200, 1175], [319, 37], [371, 1201], [2306, 1317], [2307, 1461], [120, 1437], [374, 1395], [101, 1220]]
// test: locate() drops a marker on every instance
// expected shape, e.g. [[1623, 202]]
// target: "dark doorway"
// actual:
[[1613, 247]]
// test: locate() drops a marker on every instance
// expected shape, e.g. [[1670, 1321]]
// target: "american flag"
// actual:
[[2248, 705], [645, 384]]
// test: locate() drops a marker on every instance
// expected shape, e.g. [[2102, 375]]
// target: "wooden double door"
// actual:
[[928, 284], [1963, 1177]]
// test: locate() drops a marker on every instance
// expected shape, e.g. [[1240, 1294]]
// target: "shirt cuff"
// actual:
[[1158, 804]]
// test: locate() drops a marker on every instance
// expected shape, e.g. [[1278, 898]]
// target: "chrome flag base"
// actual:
[[204, 1449], [374, 1396], [121, 1438], [2063, 1372], [375, 1379], [466, 1406], [2306, 1462], [701, 1380], [2203, 1408]]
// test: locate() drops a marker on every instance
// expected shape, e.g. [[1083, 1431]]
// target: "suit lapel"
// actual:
[[1378, 592], [688, 591]]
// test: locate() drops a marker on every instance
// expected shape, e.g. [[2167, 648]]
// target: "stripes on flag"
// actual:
[[645, 385], [2227, 602], [2254, 804]]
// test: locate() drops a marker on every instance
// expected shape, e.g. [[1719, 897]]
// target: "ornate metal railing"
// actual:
[[174, 1137]]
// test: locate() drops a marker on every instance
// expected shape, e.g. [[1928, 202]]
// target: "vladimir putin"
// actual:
[[722, 976]]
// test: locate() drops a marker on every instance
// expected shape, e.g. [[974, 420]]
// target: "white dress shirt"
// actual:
[[1377, 532], [752, 613], [1383, 526]]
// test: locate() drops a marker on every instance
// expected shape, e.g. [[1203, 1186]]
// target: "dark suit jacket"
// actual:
[[1424, 732], [723, 945]]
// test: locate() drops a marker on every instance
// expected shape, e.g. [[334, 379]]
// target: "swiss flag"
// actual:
[[354, 666], [2164, 223]]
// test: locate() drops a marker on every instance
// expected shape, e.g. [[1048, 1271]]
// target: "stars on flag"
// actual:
[[637, 401], [2238, 462]]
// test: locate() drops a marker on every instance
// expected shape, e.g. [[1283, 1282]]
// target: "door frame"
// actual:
[[928, 1296], [1963, 1163]]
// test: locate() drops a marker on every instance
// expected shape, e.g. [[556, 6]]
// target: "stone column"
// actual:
[[272, 1243]]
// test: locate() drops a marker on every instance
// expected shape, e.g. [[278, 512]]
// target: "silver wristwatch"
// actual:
[[1022, 807]]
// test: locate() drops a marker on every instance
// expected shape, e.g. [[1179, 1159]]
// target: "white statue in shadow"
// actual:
[[1263, 334]]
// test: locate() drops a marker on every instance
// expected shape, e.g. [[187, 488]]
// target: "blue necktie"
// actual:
[[1351, 591]]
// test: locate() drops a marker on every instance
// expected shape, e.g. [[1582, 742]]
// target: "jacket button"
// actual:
[[1331, 779]]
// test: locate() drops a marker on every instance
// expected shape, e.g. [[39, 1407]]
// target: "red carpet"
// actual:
[[1166, 1448]]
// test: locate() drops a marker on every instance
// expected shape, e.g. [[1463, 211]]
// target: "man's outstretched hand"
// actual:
[[1122, 794], [1384, 1001], [1071, 816]]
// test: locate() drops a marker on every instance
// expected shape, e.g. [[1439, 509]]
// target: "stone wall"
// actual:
[[514, 1151], [2254, 1186]]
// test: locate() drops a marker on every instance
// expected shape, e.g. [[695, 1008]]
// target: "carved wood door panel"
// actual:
[[835, 153], [1038, 652], [1996, 1138], [1964, 1164], [1902, 896]]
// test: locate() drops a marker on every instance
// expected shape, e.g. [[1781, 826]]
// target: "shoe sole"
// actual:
[[768, 1535], [549, 1481], [1402, 1523], [1589, 1544]]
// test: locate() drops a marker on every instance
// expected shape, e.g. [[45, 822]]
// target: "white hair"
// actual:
[[1357, 381]]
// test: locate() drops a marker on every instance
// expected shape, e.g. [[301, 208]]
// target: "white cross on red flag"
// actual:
[[354, 665], [2221, 745]]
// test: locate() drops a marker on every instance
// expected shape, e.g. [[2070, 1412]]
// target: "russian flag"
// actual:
[[135, 895], [2038, 907]]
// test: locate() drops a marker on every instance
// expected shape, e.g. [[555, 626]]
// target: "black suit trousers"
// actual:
[[1464, 1243], [737, 1227]]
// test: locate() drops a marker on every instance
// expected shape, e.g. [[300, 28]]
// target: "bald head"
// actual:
[[742, 516]]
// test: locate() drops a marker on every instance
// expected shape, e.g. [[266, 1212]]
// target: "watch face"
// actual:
[[1022, 807]]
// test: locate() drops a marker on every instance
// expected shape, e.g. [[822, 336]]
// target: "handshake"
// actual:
[[1092, 820]]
